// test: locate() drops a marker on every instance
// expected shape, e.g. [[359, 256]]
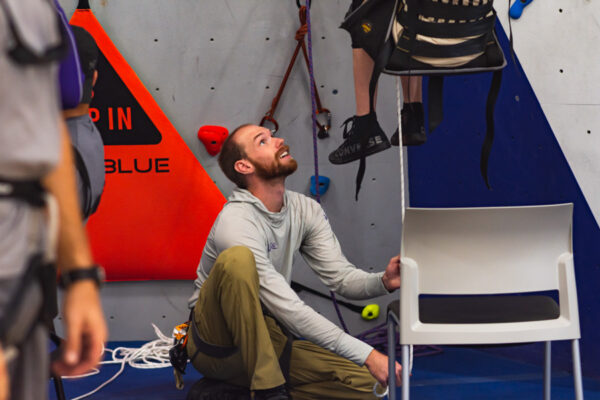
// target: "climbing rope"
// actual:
[[315, 105], [152, 355], [319, 110]]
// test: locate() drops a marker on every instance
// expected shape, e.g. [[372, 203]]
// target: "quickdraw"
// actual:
[[178, 354], [324, 126]]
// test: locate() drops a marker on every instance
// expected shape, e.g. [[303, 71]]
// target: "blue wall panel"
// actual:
[[527, 166]]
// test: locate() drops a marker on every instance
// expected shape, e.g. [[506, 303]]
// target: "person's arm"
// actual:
[[377, 364], [82, 311], [322, 252], [4, 383]]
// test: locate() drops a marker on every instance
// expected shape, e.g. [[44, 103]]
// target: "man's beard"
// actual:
[[275, 169]]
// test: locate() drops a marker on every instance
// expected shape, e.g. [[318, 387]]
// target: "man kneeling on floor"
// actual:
[[244, 307]]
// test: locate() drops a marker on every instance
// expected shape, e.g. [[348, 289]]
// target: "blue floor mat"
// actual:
[[132, 384], [467, 374], [457, 373]]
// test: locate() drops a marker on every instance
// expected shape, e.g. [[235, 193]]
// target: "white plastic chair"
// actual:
[[497, 253]]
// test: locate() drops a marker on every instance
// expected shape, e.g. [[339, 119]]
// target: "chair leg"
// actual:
[[547, 369], [391, 338], [405, 372], [577, 380]]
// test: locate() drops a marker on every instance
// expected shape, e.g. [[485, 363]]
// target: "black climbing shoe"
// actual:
[[413, 126], [350, 150], [277, 393], [211, 389]]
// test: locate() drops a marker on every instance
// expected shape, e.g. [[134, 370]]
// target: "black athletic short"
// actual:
[[355, 4]]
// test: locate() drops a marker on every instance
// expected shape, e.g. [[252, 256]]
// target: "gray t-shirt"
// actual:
[[29, 114], [274, 238], [29, 97]]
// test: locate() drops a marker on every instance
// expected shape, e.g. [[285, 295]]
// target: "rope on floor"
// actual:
[[152, 355]]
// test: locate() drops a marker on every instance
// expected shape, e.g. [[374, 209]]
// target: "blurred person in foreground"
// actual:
[[37, 192]]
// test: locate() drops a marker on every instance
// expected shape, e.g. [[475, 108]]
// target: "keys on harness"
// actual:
[[178, 354]]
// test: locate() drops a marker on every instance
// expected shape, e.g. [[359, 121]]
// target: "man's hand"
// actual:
[[4, 382], [377, 364], [85, 328], [391, 276]]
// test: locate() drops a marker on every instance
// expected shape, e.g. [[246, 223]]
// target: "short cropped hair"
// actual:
[[231, 152]]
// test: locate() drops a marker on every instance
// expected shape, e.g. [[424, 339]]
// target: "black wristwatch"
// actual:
[[94, 273]]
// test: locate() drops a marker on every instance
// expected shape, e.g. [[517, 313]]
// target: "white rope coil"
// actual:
[[151, 355]]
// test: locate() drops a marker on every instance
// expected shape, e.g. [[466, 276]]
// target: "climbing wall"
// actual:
[[219, 62]]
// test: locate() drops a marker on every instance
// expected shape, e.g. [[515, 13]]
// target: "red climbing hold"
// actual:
[[212, 137]]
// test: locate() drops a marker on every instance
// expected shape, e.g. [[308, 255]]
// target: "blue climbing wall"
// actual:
[[527, 166]]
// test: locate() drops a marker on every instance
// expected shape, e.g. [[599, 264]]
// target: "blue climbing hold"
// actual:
[[323, 185], [517, 8]]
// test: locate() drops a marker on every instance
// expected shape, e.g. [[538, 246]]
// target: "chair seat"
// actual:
[[483, 309]]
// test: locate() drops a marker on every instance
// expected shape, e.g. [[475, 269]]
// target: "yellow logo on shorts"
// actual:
[[366, 27]]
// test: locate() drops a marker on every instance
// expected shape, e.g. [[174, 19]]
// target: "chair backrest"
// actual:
[[487, 250]]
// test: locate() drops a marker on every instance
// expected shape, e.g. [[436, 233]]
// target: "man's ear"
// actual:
[[243, 166], [95, 78]]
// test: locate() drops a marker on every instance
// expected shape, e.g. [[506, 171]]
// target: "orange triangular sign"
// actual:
[[159, 203]]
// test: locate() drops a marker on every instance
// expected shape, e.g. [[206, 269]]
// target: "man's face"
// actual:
[[269, 155]]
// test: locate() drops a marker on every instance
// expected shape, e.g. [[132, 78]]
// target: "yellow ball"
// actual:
[[371, 311]]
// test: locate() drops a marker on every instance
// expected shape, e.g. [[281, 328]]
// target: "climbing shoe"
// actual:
[[413, 126], [211, 389], [277, 393], [349, 150]]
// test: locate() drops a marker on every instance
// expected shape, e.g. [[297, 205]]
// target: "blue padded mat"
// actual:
[[457, 373]]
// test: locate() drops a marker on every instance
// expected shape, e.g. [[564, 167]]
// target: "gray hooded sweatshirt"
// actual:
[[274, 237]]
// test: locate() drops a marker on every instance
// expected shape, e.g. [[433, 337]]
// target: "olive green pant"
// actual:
[[228, 313]]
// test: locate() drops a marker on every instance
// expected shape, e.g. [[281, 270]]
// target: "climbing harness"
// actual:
[[22, 53], [434, 38], [322, 112], [30, 192], [36, 288]]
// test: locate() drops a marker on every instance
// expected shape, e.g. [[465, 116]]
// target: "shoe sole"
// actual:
[[370, 151]]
